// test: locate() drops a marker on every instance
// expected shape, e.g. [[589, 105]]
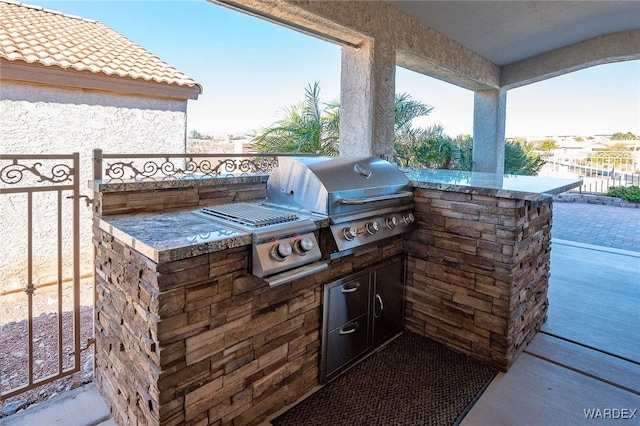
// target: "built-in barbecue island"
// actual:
[[190, 329]]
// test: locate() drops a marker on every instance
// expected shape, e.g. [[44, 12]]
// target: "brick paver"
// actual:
[[608, 226]]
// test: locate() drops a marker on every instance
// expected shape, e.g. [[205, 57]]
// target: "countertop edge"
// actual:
[[496, 192], [174, 253], [490, 192], [181, 251]]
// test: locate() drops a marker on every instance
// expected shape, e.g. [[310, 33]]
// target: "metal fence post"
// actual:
[[97, 164]]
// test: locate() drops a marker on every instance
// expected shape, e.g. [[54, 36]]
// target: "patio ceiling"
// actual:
[[535, 40], [474, 44], [505, 32]]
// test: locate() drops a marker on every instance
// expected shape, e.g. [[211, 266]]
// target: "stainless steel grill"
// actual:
[[336, 186], [249, 214], [365, 199]]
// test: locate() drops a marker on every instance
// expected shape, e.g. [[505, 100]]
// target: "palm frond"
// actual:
[[312, 102]]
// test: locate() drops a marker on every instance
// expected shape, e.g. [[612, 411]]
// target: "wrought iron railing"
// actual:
[[27, 171], [30, 186], [600, 169], [175, 166]]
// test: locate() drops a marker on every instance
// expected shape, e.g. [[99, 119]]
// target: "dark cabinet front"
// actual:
[[388, 301], [360, 311]]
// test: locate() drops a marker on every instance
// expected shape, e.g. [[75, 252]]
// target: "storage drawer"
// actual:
[[348, 299], [346, 343]]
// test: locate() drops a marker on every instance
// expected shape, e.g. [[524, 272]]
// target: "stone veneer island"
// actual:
[[185, 335]]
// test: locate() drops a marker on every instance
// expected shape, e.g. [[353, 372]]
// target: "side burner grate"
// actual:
[[249, 214]]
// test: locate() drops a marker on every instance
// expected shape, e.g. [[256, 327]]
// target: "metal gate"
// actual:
[[39, 275]]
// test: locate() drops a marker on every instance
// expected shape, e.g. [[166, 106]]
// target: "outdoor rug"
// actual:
[[412, 381]]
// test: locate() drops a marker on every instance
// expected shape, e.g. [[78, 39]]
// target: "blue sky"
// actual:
[[251, 69]]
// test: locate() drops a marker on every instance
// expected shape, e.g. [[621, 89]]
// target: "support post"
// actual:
[[367, 100], [489, 111]]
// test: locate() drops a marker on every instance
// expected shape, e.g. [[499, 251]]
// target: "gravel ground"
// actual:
[[14, 350]]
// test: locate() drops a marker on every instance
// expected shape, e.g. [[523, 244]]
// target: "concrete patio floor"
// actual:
[[586, 357]]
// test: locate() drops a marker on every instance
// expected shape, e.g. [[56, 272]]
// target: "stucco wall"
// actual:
[[38, 119]]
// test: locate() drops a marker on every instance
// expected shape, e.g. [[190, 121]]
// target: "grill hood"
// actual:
[[337, 185]]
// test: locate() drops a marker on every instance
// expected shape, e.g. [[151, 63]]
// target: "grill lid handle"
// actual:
[[359, 201]]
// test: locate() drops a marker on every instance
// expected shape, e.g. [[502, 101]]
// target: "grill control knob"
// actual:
[[349, 233], [303, 245], [408, 218], [391, 222], [280, 251], [372, 227]]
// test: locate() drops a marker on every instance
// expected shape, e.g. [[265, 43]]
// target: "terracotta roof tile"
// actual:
[[35, 35]]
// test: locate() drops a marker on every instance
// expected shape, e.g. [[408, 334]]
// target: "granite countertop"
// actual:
[[532, 188], [169, 236]]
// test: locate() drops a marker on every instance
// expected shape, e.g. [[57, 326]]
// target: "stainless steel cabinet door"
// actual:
[[388, 301]]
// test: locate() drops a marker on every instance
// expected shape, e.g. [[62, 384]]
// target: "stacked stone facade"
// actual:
[[478, 272], [200, 341], [198, 193]]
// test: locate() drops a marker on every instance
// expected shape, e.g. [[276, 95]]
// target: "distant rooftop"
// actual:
[[32, 34]]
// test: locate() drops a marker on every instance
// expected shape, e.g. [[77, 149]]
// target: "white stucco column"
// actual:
[[489, 111], [367, 100]]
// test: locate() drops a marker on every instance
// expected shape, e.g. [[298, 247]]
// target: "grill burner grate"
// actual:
[[249, 214]]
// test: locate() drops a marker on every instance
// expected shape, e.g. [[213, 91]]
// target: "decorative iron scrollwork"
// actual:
[[15, 172], [168, 167]]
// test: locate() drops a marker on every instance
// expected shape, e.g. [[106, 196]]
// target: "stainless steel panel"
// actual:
[[348, 300], [366, 232], [388, 302], [295, 274], [265, 263], [342, 343], [321, 184], [346, 343]]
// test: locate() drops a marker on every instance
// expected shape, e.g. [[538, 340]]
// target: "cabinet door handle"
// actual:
[[351, 328], [379, 299], [353, 289]]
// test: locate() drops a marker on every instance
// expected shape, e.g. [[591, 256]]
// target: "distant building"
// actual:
[[73, 84], [69, 84]]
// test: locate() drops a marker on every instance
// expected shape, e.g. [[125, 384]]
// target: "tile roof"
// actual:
[[35, 35]]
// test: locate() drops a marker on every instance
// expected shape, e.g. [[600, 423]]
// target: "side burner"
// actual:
[[249, 214], [284, 245]]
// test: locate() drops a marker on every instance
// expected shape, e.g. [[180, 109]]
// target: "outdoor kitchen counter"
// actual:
[[155, 217], [531, 188], [481, 252], [170, 236]]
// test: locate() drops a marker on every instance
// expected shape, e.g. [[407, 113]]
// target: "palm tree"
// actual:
[[307, 128], [304, 127], [521, 159], [406, 109]]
